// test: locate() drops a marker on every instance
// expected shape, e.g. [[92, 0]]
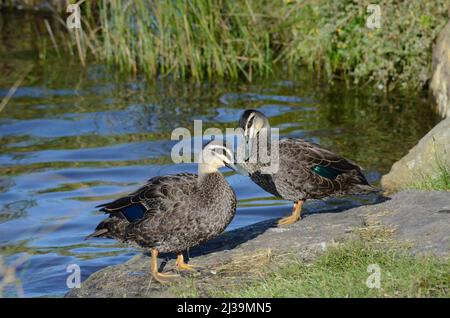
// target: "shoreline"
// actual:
[[417, 218]]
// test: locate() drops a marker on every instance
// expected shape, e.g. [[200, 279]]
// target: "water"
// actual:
[[72, 138]]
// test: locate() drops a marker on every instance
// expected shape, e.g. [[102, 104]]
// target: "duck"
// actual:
[[305, 170], [173, 213]]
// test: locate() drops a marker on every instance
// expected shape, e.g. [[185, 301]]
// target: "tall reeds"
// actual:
[[187, 38], [203, 39]]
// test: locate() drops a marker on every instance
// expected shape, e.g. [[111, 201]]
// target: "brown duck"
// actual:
[[306, 170], [175, 212]]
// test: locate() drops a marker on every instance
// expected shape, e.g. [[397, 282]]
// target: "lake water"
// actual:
[[72, 138]]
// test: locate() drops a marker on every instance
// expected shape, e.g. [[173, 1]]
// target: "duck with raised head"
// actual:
[[305, 170], [173, 213]]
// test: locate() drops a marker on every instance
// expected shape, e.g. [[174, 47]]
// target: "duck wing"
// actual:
[[158, 195], [323, 172], [311, 154]]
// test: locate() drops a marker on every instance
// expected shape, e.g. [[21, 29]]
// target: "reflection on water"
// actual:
[[71, 139]]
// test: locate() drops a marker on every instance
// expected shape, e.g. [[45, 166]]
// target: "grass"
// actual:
[[343, 270], [185, 38], [208, 39], [441, 181]]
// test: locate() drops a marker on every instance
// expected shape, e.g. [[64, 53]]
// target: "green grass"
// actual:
[[441, 181], [180, 39], [248, 38], [342, 272]]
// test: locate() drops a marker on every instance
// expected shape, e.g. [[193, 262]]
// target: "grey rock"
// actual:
[[419, 219], [440, 81], [424, 160]]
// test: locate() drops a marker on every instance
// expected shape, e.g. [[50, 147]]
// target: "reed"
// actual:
[[197, 39], [247, 38]]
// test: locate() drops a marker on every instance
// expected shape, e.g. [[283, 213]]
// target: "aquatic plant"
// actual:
[[233, 39]]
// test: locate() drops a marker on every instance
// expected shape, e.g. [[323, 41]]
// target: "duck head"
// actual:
[[252, 122], [215, 156]]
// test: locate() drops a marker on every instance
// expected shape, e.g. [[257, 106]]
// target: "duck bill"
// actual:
[[247, 149], [249, 141], [238, 168]]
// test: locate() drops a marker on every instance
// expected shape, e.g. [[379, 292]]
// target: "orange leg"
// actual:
[[182, 266], [294, 217], [160, 277]]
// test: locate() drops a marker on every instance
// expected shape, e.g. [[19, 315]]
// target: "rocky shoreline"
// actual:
[[416, 218]]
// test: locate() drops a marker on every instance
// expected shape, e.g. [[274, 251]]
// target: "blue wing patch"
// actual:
[[133, 212], [326, 172]]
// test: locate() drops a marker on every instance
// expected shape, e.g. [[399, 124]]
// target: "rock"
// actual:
[[424, 160], [433, 150], [440, 81], [421, 219]]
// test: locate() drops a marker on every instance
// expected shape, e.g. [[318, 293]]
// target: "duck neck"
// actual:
[[262, 147], [209, 180], [205, 170]]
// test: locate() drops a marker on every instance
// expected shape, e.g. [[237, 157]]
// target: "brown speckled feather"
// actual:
[[296, 180], [181, 211], [157, 194]]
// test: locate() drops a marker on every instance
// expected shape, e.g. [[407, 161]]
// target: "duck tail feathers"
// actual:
[[97, 233]]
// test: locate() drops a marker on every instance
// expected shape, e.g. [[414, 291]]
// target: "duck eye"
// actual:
[[222, 153], [218, 151], [250, 122]]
